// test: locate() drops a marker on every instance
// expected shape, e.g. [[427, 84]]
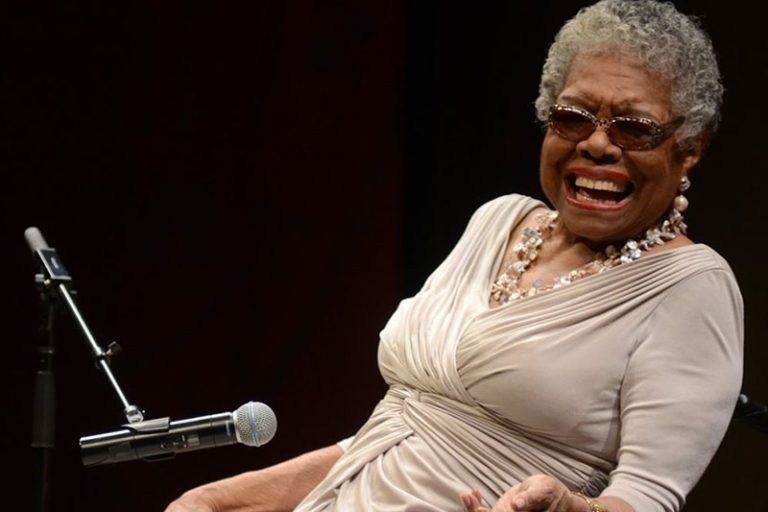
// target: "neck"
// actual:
[[570, 257], [563, 241], [669, 234]]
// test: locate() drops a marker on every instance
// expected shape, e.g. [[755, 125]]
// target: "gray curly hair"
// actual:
[[661, 38]]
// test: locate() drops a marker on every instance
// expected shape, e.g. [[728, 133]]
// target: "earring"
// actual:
[[680, 204]]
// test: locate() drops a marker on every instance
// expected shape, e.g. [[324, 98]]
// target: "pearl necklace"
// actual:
[[506, 288]]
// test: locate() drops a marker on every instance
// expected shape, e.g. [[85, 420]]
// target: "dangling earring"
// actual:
[[679, 205], [681, 202]]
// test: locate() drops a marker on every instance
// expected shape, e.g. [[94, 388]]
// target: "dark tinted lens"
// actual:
[[571, 125], [632, 133]]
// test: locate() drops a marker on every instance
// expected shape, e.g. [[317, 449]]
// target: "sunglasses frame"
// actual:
[[659, 133]]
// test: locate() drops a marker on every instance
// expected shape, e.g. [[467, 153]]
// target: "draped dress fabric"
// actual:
[[622, 383]]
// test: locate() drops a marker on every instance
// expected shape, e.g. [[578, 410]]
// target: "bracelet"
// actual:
[[594, 505]]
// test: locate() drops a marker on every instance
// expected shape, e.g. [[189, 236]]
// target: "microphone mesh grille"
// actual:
[[255, 423]]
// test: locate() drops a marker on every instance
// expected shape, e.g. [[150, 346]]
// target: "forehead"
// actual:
[[615, 84]]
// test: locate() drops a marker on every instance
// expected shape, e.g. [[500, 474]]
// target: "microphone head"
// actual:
[[35, 239], [255, 424]]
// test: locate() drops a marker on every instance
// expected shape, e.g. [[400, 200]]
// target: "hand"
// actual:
[[191, 502], [539, 493]]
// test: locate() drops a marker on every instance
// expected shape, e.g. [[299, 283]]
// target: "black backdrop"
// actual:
[[242, 193]]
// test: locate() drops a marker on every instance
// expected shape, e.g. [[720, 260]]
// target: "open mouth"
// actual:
[[599, 191]]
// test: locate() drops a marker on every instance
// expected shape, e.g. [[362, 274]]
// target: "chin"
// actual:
[[597, 223]]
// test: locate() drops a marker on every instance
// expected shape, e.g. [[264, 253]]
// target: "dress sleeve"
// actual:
[[679, 392]]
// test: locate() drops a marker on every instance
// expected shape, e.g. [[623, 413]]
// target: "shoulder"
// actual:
[[705, 290], [716, 259], [510, 201], [698, 260], [505, 208], [685, 262]]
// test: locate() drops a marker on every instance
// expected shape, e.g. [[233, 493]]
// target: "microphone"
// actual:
[[49, 258], [252, 424]]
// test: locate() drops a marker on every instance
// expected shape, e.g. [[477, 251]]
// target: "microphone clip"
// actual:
[[52, 274], [113, 349], [149, 426]]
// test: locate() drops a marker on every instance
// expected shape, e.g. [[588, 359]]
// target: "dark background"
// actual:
[[243, 191]]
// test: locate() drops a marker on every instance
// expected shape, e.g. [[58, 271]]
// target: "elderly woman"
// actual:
[[584, 356]]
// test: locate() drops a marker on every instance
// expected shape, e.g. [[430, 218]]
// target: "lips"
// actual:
[[596, 188]]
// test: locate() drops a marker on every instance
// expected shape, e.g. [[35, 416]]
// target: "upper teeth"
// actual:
[[610, 186]]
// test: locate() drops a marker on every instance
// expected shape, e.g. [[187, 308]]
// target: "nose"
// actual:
[[598, 146]]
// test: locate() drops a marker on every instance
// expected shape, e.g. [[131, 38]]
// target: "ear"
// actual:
[[692, 156]]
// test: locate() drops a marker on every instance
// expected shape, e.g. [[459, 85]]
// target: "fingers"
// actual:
[[473, 502], [534, 494], [537, 499], [470, 501], [526, 501]]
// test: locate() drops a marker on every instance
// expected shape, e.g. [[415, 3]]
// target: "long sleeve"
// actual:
[[679, 392]]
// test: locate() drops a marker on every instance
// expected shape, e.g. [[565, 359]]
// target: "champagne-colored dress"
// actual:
[[622, 383]]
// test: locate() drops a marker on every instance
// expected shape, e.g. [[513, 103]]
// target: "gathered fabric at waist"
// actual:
[[456, 445]]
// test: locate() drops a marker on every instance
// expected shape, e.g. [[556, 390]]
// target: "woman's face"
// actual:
[[605, 193]]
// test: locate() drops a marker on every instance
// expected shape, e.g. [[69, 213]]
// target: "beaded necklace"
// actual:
[[506, 287]]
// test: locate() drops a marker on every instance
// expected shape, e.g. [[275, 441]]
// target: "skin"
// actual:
[[277, 488], [605, 86]]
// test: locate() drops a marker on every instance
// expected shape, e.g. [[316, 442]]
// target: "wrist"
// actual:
[[592, 504]]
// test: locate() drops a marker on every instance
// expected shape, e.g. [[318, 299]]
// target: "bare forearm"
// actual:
[[274, 489]]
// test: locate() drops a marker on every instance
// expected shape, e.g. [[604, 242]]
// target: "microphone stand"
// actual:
[[44, 405], [751, 413], [55, 285]]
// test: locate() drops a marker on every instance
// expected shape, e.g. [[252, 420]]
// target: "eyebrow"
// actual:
[[625, 106]]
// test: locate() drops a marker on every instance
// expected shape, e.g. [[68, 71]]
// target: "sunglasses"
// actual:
[[637, 133]]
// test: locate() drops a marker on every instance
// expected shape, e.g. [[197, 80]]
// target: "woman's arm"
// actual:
[[277, 488]]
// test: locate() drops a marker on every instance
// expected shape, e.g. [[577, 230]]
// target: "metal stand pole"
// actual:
[[54, 284], [44, 407]]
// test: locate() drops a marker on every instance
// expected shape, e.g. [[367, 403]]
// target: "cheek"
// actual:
[[664, 174], [661, 180], [553, 154]]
